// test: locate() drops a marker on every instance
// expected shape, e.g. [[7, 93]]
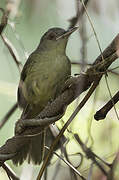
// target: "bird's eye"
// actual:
[[52, 36]]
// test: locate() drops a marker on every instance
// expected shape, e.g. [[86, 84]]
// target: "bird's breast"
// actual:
[[45, 80]]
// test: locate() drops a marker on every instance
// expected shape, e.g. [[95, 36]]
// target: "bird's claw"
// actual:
[[19, 127], [68, 83]]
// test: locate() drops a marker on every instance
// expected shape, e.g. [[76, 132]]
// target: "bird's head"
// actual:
[[56, 38]]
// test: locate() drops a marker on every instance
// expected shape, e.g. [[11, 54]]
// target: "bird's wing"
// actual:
[[26, 70], [20, 97]]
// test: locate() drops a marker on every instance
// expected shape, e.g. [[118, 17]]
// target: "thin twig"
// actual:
[[93, 74], [12, 51], [65, 127], [10, 172], [66, 162], [101, 54], [111, 98], [4, 20], [89, 64], [73, 21], [8, 115], [89, 154], [113, 166]]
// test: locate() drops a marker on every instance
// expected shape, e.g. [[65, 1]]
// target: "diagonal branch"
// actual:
[[10, 172], [8, 114], [4, 20], [77, 86], [101, 114], [54, 144]]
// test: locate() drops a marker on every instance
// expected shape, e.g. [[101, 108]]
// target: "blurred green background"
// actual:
[[28, 21]]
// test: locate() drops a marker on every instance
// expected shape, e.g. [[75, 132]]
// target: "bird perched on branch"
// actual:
[[42, 80]]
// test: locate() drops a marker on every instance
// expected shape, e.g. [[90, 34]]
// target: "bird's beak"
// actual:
[[67, 33]]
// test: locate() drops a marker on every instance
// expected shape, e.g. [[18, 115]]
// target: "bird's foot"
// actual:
[[68, 83], [19, 127]]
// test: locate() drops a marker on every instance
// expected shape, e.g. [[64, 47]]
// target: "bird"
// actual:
[[42, 80]]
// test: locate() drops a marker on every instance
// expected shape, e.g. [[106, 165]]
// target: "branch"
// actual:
[[73, 21], [77, 86], [101, 114], [8, 114], [10, 172], [113, 166], [12, 51], [4, 20], [90, 154], [67, 162], [8, 44], [54, 144]]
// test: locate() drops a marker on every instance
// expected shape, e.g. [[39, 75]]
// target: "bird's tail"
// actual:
[[34, 150]]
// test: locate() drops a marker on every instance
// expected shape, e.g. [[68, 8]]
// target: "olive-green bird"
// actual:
[[42, 80]]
